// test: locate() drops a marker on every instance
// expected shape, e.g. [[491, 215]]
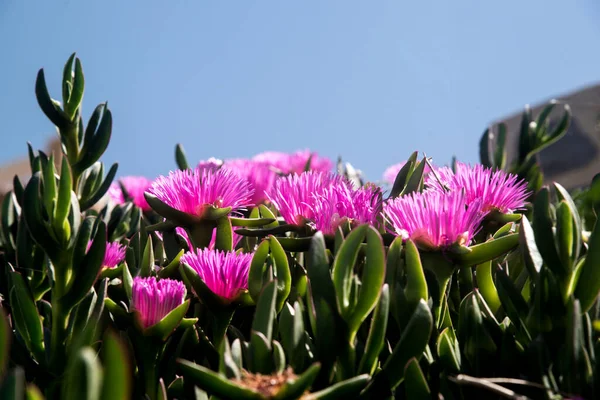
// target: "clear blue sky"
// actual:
[[368, 80]]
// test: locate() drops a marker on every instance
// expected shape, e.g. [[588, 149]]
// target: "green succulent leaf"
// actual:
[[257, 269], [117, 382], [480, 253], [167, 325], [412, 343], [214, 383], [350, 388], [25, 316], [84, 278], [448, 350], [264, 316], [293, 390], [282, 272], [251, 222], [588, 284], [180, 157], [377, 331], [84, 377], [416, 285], [416, 386], [531, 255], [485, 283], [343, 266], [403, 176], [372, 279]]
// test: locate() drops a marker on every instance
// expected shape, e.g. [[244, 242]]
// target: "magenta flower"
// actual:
[[389, 176], [260, 174], [114, 255], [295, 195], [340, 203], [135, 187], [434, 220], [224, 273], [153, 299], [497, 190], [289, 163], [323, 201], [194, 191]]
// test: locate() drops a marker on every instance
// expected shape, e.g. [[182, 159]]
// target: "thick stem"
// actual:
[[148, 355], [58, 335], [442, 269], [221, 323], [347, 360]]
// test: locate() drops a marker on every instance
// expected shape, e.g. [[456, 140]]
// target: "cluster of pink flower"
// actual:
[[305, 193], [454, 203]]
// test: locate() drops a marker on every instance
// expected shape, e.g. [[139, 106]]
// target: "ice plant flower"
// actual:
[[434, 220], [195, 191], [295, 195], [260, 174], [224, 273], [339, 203], [389, 175], [323, 201], [289, 163], [135, 187], [154, 298], [497, 190], [114, 255]]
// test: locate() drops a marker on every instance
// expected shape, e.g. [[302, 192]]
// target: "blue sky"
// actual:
[[368, 80]]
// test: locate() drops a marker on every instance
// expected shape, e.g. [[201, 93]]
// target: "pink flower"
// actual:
[[294, 195], [434, 220], [497, 190], [323, 201], [135, 187], [224, 273], [114, 254], [339, 203], [193, 191], [289, 163], [389, 176], [153, 299], [261, 175]]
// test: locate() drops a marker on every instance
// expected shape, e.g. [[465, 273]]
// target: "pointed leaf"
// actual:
[[214, 383], [348, 389], [265, 311], [412, 343], [293, 390], [377, 331], [282, 272], [117, 383], [343, 266], [180, 157], [416, 385], [167, 325]]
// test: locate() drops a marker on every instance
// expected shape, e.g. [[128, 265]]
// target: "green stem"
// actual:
[[221, 323], [58, 335], [442, 269], [148, 354], [347, 360]]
